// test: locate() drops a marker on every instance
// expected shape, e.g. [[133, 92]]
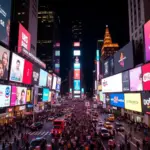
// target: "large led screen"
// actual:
[[49, 81], [40, 95], [58, 83], [27, 75], [5, 12], [4, 63], [24, 39], [43, 78], [106, 68], [146, 102], [45, 94], [136, 79], [123, 59], [54, 82], [76, 85], [117, 100], [125, 81], [101, 96], [77, 74], [18, 95], [133, 101], [5, 92], [17, 68], [76, 65], [146, 77], [76, 53], [112, 84], [35, 75], [147, 40], [28, 96]]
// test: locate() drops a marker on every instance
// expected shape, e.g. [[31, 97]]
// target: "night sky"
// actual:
[[95, 15]]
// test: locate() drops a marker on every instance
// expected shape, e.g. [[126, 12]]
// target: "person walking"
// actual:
[[3, 146], [137, 145]]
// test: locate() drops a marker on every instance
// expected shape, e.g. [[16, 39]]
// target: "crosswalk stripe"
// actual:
[[43, 133]]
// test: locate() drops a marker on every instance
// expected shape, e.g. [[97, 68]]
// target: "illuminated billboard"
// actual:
[[77, 74], [76, 53], [76, 44], [76, 85], [76, 65]]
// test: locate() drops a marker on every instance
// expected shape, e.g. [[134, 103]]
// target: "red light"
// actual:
[[76, 44]]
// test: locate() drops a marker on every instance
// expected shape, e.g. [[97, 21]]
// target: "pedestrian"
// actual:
[[114, 132], [144, 142], [128, 146], [3, 146], [10, 146], [27, 145], [137, 145], [125, 138]]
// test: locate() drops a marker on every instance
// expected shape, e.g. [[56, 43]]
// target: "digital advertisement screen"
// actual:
[[5, 9], [77, 74], [107, 98], [123, 59], [54, 82], [27, 75], [133, 101], [57, 53], [17, 68], [76, 60], [58, 83], [146, 77], [117, 100], [24, 39], [76, 85], [28, 97], [5, 92], [76, 44], [101, 96], [147, 41], [4, 63], [136, 79], [111, 63], [146, 102], [35, 75], [18, 95], [106, 68], [49, 81], [43, 78], [76, 53], [126, 81], [112, 84], [40, 95], [50, 96], [45, 94], [76, 65]]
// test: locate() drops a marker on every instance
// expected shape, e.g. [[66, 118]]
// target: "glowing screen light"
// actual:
[[76, 65], [76, 53], [76, 44]]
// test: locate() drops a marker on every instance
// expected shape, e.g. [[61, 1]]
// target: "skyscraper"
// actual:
[[108, 48], [26, 12], [48, 35]]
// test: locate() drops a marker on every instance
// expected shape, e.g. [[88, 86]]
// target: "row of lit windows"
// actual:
[[44, 41], [21, 13], [45, 12], [46, 16]]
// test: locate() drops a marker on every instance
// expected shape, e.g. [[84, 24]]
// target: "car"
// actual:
[[39, 141], [35, 126], [111, 117], [104, 133], [100, 123], [98, 127], [95, 119], [108, 125], [119, 127], [51, 118]]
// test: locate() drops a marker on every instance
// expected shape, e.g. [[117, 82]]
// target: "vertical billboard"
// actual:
[[24, 39], [76, 84], [5, 12], [4, 62], [147, 40], [17, 68], [35, 75], [136, 79], [146, 77], [43, 78], [76, 65], [54, 82], [58, 84], [146, 102], [125, 81], [49, 81], [77, 74], [45, 95]]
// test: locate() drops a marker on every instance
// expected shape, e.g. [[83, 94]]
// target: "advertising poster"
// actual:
[[123, 59], [4, 63], [43, 78], [77, 85], [17, 68], [54, 82], [125, 81], [146, 77], [5, 9], [45, 94], [146, 102], [35, 75], [58, 83], [147, 40], [117, 100], [133, 101], [5, 92], [28, 98], [49, 81], [101, 96], [112, 84], [24, 39], [77, 74], [50, 96], [76, 65], [27, 75], [18, 95], [136, 79]]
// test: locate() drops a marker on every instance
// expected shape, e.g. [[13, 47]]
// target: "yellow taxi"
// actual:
[[111, 117], [108, 125]]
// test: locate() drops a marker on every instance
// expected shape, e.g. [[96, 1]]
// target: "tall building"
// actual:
[[139, 13], [108, 48], [26, 12], [48, 36], [77, 30]]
